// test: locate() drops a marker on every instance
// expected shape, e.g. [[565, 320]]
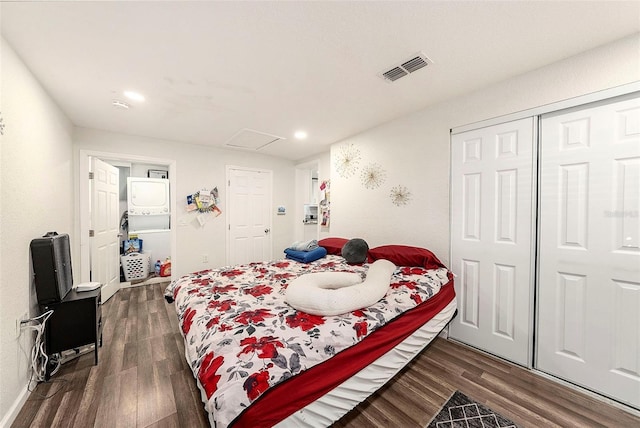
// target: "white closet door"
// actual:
[[589, 273], [491, 230]]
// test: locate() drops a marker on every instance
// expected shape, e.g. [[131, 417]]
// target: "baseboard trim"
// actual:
[[595, 395], [15, 408]]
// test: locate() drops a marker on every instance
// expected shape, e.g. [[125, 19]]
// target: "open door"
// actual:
[[105, 226]]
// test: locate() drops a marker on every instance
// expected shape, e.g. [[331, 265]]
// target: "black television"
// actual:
[[51, 259]]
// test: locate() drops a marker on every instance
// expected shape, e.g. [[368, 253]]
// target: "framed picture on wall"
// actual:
[[157, 173]]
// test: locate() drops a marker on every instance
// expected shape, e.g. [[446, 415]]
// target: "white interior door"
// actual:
[[249, 215], [491, 238], [105, 223], [589, 272]]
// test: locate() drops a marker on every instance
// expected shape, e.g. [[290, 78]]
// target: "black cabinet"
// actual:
[[76, 321]]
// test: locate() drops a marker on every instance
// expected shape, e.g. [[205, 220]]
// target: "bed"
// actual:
[[258, 362]]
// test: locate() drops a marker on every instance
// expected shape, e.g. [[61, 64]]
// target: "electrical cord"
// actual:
[[39, 358], [46, 396]]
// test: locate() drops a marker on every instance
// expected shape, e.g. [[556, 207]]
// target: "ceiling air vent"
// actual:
[[419, 61], [394, 74], [414, 64]]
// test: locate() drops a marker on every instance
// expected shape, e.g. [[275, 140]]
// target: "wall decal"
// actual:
[[346, 160], [373, 175], [204, 201], [400, 195]]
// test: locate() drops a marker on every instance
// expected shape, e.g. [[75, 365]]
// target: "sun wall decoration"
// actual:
[[347, 160], [373, 175], [400, 195]]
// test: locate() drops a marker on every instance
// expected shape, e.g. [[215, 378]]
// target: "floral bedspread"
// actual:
[[242, 338]]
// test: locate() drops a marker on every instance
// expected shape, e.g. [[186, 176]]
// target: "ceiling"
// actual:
[[209, 70]]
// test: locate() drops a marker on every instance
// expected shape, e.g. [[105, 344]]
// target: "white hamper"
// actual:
[[135, 266]]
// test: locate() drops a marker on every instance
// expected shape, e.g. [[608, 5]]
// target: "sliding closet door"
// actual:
[[589, 250], [491, 229]]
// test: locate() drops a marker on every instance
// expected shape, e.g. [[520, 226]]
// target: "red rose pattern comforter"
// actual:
[[242, 338]]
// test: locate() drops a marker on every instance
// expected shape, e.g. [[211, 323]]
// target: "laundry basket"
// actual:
[[135, 266]]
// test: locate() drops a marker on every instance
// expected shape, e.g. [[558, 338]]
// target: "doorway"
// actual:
[[307, 201], [83, 226]]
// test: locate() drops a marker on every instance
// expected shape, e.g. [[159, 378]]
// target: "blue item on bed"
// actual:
[[306, 256], [309, 245]]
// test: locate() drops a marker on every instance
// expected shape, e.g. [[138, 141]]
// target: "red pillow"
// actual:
[[404, 255], [333, 245]]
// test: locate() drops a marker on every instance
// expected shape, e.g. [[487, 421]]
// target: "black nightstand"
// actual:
[[76, 321]]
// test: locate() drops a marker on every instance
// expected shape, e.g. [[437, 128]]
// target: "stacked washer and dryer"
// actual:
[[149, 213]]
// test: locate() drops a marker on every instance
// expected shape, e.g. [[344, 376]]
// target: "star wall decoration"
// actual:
[[372, 176], [347, 160], [400, 195]]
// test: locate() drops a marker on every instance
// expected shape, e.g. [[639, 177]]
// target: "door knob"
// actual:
[[267, 230]]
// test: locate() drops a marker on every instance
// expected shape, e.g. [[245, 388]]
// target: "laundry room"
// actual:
[[145, 223]]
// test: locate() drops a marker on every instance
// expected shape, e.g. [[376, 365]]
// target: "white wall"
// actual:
[[414, 150], [37, 197], [198, 167]]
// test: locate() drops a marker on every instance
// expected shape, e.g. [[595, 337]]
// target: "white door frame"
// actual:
[[604, 94], [227, 217], [83, 202], [303, 179]]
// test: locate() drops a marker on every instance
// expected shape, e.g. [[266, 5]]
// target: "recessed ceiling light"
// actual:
[[300, 135], [134, 96], [120, 104]]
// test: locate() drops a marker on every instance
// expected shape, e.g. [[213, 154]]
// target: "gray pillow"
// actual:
[[355, 251]]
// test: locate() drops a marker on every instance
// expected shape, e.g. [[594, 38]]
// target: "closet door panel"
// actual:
[[491, 227], [588, 328]]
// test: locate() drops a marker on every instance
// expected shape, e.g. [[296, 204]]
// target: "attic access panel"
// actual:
[[250, 139]]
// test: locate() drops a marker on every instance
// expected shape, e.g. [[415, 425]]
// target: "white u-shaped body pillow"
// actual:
[[335, 293]]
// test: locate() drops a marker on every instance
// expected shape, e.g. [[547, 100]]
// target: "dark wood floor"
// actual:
[[142, 380]]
